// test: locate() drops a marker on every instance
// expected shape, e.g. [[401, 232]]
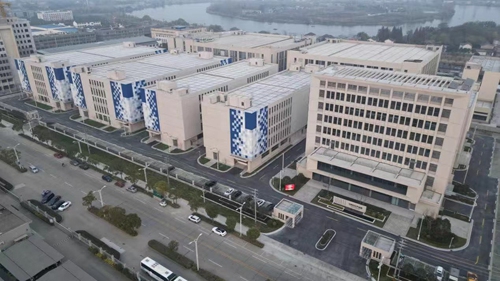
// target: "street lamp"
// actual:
[[196, 250], [145, 173], [380, 267], [100, 195], [282, 167], [420, 229], [15, 153], [79, 146], [241, 210]]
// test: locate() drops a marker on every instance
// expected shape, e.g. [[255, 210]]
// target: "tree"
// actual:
[[132, 222], [173, 246], [161, 187], [408, 269], [212, 211], [88, 199], [421, 273], [231, 223], [195, 203], [146, 18], [174, 194], [362, 36], [440, 230], [215, 28], [116, 215], [43, 134], [253, 233], [117, 165], [264, 32], [232, 29]]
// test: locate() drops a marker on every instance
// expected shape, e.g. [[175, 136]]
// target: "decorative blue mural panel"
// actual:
[[77, 91], [249, 132], [23, 75], [226, 61], [150, 109], [127, 100]]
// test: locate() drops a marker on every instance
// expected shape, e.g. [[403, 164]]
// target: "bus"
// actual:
[[159, 272]]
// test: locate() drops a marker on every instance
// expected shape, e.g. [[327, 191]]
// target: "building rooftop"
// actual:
[[370, 167], [139, 40], [154, 66], [488, 63], [289, 206], [379, 241], [68, 271], [10, 219], [245, 40], [273, 88], [379, 52], [423, 81]]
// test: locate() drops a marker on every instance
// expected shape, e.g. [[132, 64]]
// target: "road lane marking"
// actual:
[[180, 220], [215, 263], [164, 236], [139, 200], [259, 259], [285, 271], [83, 192], [188, 249], [204, 231], [485, 205], [479, 163], [477, 172], [364, 230], [477, 260], [231, 181], [262, 177], [68, 184], [227, 243], [480, 239], [487, 192], [53, 176], [159, 209], [143, 224], [243, 278], [332, 218], [482, 225]]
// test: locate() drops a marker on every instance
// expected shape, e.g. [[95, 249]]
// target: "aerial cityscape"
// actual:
[[225, 140]]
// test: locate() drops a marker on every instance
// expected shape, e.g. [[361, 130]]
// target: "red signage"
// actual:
[[289, 187]]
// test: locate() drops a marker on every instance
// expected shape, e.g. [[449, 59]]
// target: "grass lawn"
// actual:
[[457, 242], [222, 167], [161, 146], [110, 129], [74, 116], [383, 273], [40, 105], [454, 215], [93, 123], [204, 160], [180, 150]]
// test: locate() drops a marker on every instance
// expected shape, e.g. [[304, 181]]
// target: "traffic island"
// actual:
[[325, 239], [116, 216]]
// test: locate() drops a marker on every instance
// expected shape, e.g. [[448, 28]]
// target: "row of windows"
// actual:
[[257, 77], [207, 68]]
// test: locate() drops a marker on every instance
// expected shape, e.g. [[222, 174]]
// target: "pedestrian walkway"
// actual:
[[398, 224], [307, 192]]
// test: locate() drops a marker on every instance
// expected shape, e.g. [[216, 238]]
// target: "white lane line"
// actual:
[[68, 184], [140, 200], [243, 278], [229, 244], [180, 220], [231, 181], [204, 231], [159, 209], [165, 236], [188, 249], [215, 263], [259, 259], [83, 192], [143, 224], [53, 176], [292, 274]]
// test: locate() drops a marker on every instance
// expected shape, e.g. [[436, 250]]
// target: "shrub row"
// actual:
[[96, 211], [48, 210], [209, 276], [34, 212], [99, 243], [116, 265], [5, 184]]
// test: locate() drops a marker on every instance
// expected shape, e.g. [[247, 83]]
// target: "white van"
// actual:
[[34, 169]]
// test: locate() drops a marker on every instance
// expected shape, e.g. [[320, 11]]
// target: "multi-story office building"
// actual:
[[239, 45], [393, 136], [48, 80], [250, 125], [175, 31], [110, 93], [484, 70], [15, 41], [374, 55], [172, 109], [55, 15]]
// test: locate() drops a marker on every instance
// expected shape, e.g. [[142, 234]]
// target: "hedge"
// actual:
[[5, 184], [209, 276], [97, 211], [48, 210], [164, 250], [34, 212], [98, 243]]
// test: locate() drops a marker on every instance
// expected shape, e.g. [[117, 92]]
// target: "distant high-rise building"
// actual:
[[55, 15]]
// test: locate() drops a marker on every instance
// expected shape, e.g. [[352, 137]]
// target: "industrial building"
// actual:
[[238, 45], [175, 31], [72, 46], [250, 125], [392, 136], [110, 93], [48, 79], [55, 15], [373, 55], [484, 70], [122, 32], [56, 40], [172, 109]]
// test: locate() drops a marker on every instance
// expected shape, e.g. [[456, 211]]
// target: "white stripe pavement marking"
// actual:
[[83, 192], [259, 259], [68, 184], [243, 278], [158, 209], [180, 220], [165, 236], [215, 263], [53, 176], [140, 200], [188, 248], [204, 231], [231, 181], [227, 243]]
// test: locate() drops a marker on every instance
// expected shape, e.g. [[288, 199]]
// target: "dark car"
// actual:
[[84, 166], [48, 198], [209, 184], [45, 192], [57, 205], [236, 194], [58, 155], [120, 183], [107, 178], [54, 200], [74, 162]]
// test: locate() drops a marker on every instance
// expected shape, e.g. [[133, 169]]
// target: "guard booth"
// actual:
[[288, 212], [377, 247]]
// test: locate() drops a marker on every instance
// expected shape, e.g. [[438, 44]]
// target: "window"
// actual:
[[429, 181], [320, 105], [439, 141], [446, 113], [442, 128], [321, 93], [436, 155], [448, 101], [433, 167]]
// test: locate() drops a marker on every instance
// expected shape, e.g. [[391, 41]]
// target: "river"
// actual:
[[196, 13]]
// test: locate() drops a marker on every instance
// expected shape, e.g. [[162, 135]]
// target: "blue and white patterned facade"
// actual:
[[77, 90], [249, 132], [226, 61], [127, 101], [59, 83], [23, 75], [150, 109]]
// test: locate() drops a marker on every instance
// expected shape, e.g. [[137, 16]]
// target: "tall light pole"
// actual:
[[420, 229], [241, 211], [196, 250], [168, 170], [100, 195], [282, 167], [380, 267], [79, 146], [145, 173], [15, 153]]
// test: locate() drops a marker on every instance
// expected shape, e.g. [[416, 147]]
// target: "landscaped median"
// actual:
[[325, 239], [170, 252], [8, 155], [437, 233], [117, 216], [41, 211]]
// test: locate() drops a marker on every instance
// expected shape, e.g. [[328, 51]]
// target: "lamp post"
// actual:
[[196, 250], [79, 146], [451, 242], [420, 229], [145, 173], [380, 267], [15, 153], [100, 195], [241, 211], [282, 167]]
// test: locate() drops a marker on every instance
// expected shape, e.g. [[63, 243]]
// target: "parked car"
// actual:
[[131, 189], [163, 202], [107, 178], [64, 206], [84, 166], [47, 198], [439, 273], [210, 183], [54, 200], [75, 162], [194, 218], [57, 205], [45, 192], [34, 169], [260, 202], [219, 231], [229, 191], [236, 194], [58, 155], [120, 183]]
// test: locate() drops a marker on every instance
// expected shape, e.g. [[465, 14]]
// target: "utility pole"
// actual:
[[196, 250], [401, 245], [145, 173], [100, 195], [241, 211], [282, 167], [79, 146], [420, 229], [255, 204], [15, 153], [168, 170]]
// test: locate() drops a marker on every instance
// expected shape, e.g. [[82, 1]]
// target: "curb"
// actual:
[[99, 129], [327, 244], [131, 135], [368, 272], [170, 153], [446, 250], [38, 108], [210, 167], [274, 232]]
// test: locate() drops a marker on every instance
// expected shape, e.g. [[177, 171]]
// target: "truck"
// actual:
[[471, 276], [454, 274]]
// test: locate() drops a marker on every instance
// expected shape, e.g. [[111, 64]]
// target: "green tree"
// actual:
[[132, 222], [215, 28], [9, 156], [146, 18], [195, 203], [117, 166], [234, 28], [231, 223], [173, 246], [43, 134], [253, 233], [212, 211], [421, 273], [161, 187], [88, 199], [362, 36], [264, 32], [116, 215], [408, 269]]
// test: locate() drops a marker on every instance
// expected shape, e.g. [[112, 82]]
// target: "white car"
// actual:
[[229, 191], [163, 203], [219, 231], [194, 218], [439, 273], [34, 169], [260, 202], [64, 206]]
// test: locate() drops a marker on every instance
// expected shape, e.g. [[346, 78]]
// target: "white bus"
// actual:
[[159, 272]]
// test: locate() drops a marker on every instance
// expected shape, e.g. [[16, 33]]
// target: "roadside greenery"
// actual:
[[8, 155], [98, 243], [436, 232], [118, 217], [299, 181], [88, 200]]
